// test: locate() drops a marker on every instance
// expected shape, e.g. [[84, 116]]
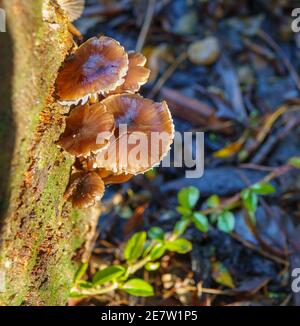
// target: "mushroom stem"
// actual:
[[74, 31], [94, 99]]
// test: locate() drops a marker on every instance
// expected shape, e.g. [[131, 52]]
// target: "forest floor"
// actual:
[[245, 97]]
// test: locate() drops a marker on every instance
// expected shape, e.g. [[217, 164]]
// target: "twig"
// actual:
[[258, 250], [286, 301], [167, 74], [257, 49], [235, 201], [256, 167], [277, 172], [273, 140], [216, 292], [147, 23], [268, 39], [254, 230], [219, 126]]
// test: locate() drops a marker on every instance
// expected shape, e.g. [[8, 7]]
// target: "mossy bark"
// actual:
[[43, 240]]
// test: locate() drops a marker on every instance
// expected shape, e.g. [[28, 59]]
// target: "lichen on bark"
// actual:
[[42, 239]]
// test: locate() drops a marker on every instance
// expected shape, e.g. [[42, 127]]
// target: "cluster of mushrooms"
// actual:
[[100, 81]]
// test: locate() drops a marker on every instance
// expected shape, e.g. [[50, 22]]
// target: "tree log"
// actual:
[[43, 240]]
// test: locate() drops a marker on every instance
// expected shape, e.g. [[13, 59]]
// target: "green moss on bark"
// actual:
[[42, 242]]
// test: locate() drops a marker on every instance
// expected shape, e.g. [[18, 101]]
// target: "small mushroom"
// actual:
[[143, 136], [84, 126], [73, 8], [109, 177], [97, 67], [85, 163], [84, 189], [137, 74]]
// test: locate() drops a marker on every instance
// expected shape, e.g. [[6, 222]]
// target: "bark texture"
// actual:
[[42, 239]]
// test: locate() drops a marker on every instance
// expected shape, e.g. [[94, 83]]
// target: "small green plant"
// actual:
[[250, 197], [143, 250], [188, 198], [218, 214], [223, 217]]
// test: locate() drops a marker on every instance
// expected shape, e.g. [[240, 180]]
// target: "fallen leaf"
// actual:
[[231, 148], [221, 275]]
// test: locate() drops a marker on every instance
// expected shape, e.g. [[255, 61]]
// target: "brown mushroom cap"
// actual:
[[84, 126], [144, 119], [73, 8], [84, 189], [97, 67], [137, 74], [109, 177]]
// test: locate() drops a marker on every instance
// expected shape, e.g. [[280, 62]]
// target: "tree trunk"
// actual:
[[43, 240]]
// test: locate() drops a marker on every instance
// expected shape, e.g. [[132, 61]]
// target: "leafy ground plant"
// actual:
[[188, 198], [218, 214], [143, 250]]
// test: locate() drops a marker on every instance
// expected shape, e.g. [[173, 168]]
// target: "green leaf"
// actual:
[[156, 233], [80, 272], [295, 162], [213, 217], [138, 287], [245, 194], [152, 266], [181, 246], [221, 275], [180, 227], [74, 293], [249, 200], [200, 221], [263, 188], [226, 222], [135, 246], [188, 197], [149, 244], [157, 251], [213, 201], [85, 284], [183, 210], [108, 274]]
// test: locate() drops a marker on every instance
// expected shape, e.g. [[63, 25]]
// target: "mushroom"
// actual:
[[84, 127], [143, 135], [84, 189], [72, 8], [109, 177], [97, 67], [85, 163], [137, 74], [118, 137]]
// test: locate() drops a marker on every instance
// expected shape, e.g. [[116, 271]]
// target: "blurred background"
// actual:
[[230, 69]]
